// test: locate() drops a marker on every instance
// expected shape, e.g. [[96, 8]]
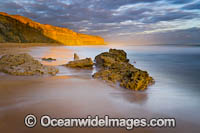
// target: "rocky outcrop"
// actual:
[[114, 67], [108, 58], [19, 29], [83, 64], [24, 65], [76, 57]]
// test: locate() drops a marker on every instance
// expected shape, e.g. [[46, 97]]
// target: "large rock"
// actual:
[[107, 58], [83, 64], [115, 67], [24, 65]]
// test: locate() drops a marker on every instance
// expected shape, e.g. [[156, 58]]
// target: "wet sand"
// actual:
[[69, 97], [7, 48], [72, 93]]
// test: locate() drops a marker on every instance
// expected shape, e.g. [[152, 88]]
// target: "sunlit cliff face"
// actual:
[[130, 21], [15, 28]]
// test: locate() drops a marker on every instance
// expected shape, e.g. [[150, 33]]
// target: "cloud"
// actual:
[[169, 16], [187, 36], [180, 1], [182, 37], [109, 18], [12, 5], [192, 6]]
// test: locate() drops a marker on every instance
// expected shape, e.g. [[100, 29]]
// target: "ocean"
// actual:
[[176, 70]]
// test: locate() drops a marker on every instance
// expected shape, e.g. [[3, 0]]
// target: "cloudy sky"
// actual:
[[118, 21]]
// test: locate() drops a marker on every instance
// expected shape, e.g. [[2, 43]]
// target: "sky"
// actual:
[[118, 21]]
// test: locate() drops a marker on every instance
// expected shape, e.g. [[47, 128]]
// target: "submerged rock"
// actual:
[[115, 67], [76, 57], [48, 59], [83, 63], [24, 65]]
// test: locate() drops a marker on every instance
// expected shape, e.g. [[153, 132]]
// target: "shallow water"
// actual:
[[176, 70], [176, 92]]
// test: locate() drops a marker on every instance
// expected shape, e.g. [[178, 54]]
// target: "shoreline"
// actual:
[[9, 48], [24, 45], [13, 48], [70, 95], [40, 44]]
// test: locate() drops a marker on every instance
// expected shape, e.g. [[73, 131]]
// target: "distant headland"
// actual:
[[19, 29]]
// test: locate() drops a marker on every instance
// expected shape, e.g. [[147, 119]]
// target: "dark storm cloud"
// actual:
[[104, 17]]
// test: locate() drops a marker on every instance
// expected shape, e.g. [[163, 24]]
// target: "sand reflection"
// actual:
[[61, 54], [132, 96], [136, 97]]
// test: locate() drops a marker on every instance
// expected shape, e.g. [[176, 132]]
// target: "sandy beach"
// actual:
[[99, 66], [69, 97], [72, 93]]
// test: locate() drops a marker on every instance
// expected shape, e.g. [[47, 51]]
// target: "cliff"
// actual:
[[19, 29]]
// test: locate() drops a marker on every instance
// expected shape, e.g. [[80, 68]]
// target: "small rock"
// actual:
[[83, 63], [76, 57], [48, 59]]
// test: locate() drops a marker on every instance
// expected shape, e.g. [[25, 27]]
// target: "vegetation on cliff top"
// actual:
[[19, 29]]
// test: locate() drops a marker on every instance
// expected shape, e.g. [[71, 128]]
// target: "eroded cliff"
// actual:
[[19, 29]]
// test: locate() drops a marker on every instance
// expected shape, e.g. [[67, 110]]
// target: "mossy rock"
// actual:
[[107, 58], [115, 67]]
